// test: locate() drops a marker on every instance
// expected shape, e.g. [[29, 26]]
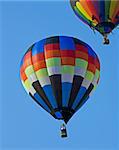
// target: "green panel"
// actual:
[[29, 70], [95, 86], [65, 69], [89, 76], [97, 74], [41, 73], [107, 8], [53, 62], [101, 30], [81, 63]]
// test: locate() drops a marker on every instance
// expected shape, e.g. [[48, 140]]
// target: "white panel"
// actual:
[[32, 90], [80, 71], [44, 81], [54, 70], [86, 83], [32, 78], [94, 80], [67, 78]]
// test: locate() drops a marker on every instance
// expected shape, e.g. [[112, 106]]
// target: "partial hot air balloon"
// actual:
[[60, 73], [100, 15]]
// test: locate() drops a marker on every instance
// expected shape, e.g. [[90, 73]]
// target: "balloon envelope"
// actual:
[[102, 15], [60, 73]]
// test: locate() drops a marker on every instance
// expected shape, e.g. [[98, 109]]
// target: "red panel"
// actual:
[[38, 57], [115, 19], [91, 59], [81, 48], [67, 53], [90, 4], [91, 67], [54, 46], [97, 64]]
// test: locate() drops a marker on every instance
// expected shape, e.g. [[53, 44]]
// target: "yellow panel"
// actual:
[[113, 6], [79, 6], [27, 84]]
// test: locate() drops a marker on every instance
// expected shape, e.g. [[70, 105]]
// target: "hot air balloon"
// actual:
[[60, 73], [100, 15]]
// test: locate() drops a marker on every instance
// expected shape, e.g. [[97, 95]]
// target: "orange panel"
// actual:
[[27, 55], [39, 65], [27, 62], [68, 61], [23, 76], [81, 55], [38, 57], [21, 69], [52, 53]]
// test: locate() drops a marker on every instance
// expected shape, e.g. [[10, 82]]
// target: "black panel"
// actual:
[[77, 41], [77, 81], [52, 40], [67, 114], [41, 93], [83, 100], [57, 89]]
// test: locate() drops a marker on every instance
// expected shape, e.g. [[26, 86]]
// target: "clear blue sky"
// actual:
[[23, 124]]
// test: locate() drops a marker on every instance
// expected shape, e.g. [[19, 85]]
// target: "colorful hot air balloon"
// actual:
[[60, 73], [101, 15]]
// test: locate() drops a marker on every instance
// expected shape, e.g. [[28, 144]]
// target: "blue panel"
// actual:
[[107, 29], [66, 43], [43, 104], [49, 93], [102, 10], [95, 4], [58, 114], [91, 52], [66, 89], [38, 47], [79, 96]]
